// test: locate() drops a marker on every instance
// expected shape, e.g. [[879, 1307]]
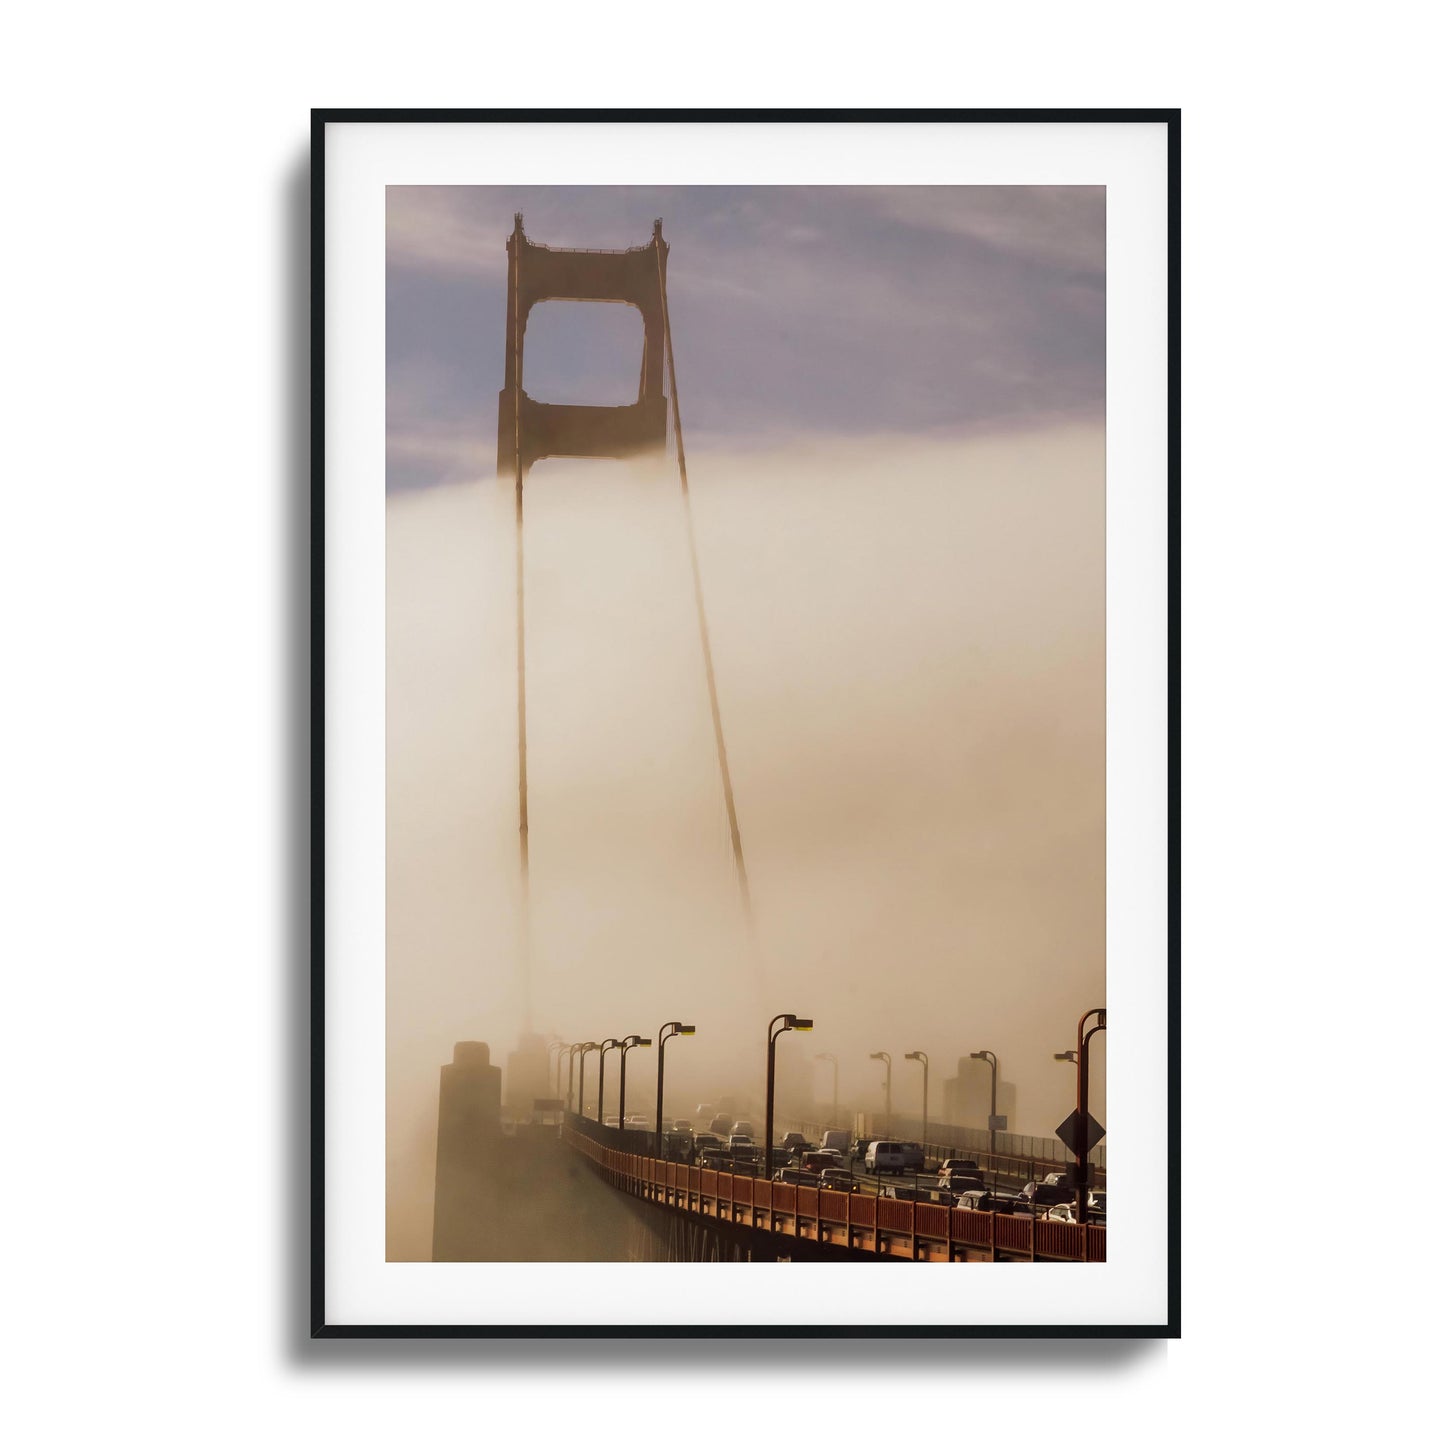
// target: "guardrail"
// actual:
[[864, 1224]]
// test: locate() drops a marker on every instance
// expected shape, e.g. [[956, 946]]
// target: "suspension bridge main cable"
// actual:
[[734, 834], [526, 912]]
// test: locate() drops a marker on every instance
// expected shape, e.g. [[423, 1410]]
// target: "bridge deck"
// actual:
[[860, 1224]]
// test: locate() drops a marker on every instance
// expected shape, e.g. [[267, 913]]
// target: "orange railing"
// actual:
[[861, 1223]]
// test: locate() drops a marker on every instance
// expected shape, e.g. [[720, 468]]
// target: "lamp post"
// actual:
[[561, 1049], [571, 1062], [663, 1035], [789, 1022], [632, 1041], [1071, 1056], [831, 1059], [887, 1061], [991, 1059], [1080, 1059], [918, 1056], [582, 1051], [602, 1070]]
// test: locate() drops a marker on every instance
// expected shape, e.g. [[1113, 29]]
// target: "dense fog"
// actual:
[[909, 645]]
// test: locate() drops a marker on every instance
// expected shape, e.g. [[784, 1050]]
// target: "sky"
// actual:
[[819, 311], [896, 461]]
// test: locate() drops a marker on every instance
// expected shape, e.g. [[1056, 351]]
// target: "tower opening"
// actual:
[[584, 353]]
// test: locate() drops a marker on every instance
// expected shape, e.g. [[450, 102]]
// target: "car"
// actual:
[[1038, 1195], [860, 1146], [712, 1159], [721, 1124], [792, 1175], [840, 1180], [639, 1121], [838, 1161], [902, 1191], [962, 1166], [981, 1200], [745, 1153], [682, 1126], [838, 1139], [1057, 1177], [744, 1126], [612, 1121], [886, 1156], [815, 1161], [793, 1143], [706, 1141], [986, 1203], [1067, 1210], [735, 1139], [912, 1154], [677, 1146], [959, 1174], [959, 1183]]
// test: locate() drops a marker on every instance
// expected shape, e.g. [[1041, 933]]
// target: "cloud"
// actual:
[[445, 230], [1060, 226]]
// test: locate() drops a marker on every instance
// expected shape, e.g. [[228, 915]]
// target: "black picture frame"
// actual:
[[320, 1326]]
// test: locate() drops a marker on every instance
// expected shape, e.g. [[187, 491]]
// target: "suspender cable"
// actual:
[[526, 916], [734, 834]]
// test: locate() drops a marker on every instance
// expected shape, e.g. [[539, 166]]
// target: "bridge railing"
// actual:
[[862, 1223], [627, 1141]]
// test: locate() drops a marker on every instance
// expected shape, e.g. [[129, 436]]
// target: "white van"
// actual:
[[839, 1139], [885, 1156]]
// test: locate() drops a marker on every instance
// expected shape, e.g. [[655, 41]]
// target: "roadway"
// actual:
[[1005, 1179], [997, 1182], [1008, 1179]]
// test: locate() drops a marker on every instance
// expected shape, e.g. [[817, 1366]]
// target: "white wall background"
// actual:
[[152, 570]]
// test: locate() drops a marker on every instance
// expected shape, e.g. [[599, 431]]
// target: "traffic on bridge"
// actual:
[[792, 1188]]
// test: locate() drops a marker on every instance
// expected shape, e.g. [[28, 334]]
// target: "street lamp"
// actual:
[[571, 1064], [991, 1059], [561, 1049], [662, 1037], [887, 1061], [632, 1041], [789, 1022], [582, 1051], [602, 1070], [918, 1056], [1080, 1058], [831, 1059]]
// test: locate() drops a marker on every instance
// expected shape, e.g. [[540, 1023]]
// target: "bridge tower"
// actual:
[[469, 1137], [529, 430]]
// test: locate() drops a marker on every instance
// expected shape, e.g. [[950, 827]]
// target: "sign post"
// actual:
[[1081, 1131]]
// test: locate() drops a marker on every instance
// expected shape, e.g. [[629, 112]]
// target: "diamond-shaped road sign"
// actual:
[[1068, 1131]]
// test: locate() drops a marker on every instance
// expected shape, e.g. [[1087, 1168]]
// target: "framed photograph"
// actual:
[[745, 752]]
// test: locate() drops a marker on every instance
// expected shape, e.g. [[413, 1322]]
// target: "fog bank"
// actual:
[[909, 646]]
